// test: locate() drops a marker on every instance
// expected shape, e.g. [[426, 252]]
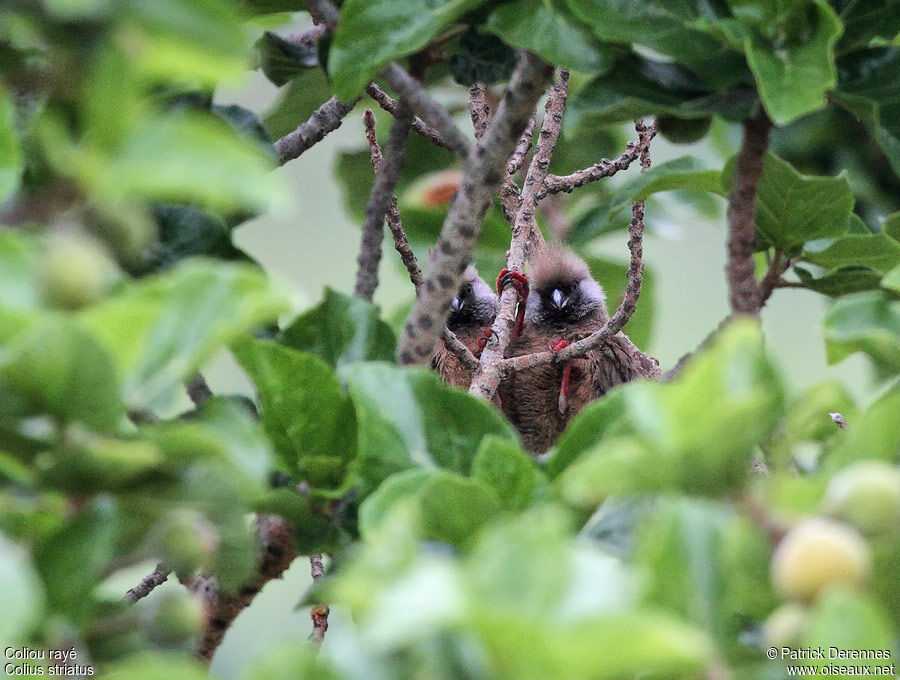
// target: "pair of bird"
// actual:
[[564, 303]]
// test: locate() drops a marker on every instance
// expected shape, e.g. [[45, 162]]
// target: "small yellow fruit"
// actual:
[[816, 554], [74, 272], [785, 626], [867, 495]]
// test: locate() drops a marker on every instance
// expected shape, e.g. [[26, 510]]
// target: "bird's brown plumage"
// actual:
[[565, 303], [474, 309]]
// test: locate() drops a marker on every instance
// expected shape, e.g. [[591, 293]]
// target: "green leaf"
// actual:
[[58, 369], [341, 329], [508, 470], [184, 231], [621, 645], [840, 281], [868, 86], [313, 533], [551, 31], [373, 32], [157, 666], [891, 280], [21, 293], [310, 421], [305, 93], [375, 508], [891, 226], [481, 58], [408, 418], [281, 60], [849, 621], [666, 28], [600, 419], [288, 661], [453, 507], [637, 87], [10, 153], [879, 252], [793, 77], [707, 566], [161, 329], [695, 434], [22, 598], [867, 20], [793, 208], [875, 434], [865, 322], [71, 562]]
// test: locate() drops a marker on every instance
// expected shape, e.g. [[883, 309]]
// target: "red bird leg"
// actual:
[[520, 283], [567, 374], [483, 340]]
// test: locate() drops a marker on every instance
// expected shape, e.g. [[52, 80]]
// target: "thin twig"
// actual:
[[198, 390], [777, 267], [743, 292], [276, 543], [522, 148], [319, 612], [524, 234], [632, 291], [420, 127], [325, 119], [407, 256], [483, 172], [413, 93], [605, 168], [379, 204], [155, 578]]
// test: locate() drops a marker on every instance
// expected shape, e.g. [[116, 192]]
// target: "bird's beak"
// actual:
[[559, 300], [456, 304]]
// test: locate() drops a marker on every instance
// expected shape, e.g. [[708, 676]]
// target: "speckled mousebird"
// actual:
[[564, 304]]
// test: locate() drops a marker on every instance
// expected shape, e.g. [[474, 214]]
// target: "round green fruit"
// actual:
[[175, 619], [785, 626], [867, 495], [683, 130], [816, 554], [74, 272]]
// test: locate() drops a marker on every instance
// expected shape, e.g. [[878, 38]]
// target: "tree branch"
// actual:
[[152, 580], [412, 92], [769, 282], [277, 551], [479, 109], [319, 612], [483, 173], [380, 199], [198, 390], [524, 232], [632, 291], [420, 127], [407, 256], [743, 293], [605, 168], [327, 118]]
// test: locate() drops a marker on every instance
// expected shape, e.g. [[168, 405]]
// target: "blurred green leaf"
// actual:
[[867, 20], [684, 539], [868, 86], [378, 504], [92, 464], [21, 292], [874, 434], [309, 420], [865, 322], [10, 153], [793, 208], [161, 329], [408, 418], [507, 469], [313, 533], [184, 231], [22, 598], [849, 621], [288, 661], [341, 329], [58, 369], [453, 507], [840, 281], [281, 60], [891, 280], [157, 666], [372, 32], [71, 561], [695, 434], [550, 30], [635, 87], [891, 226], [668, 29]]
